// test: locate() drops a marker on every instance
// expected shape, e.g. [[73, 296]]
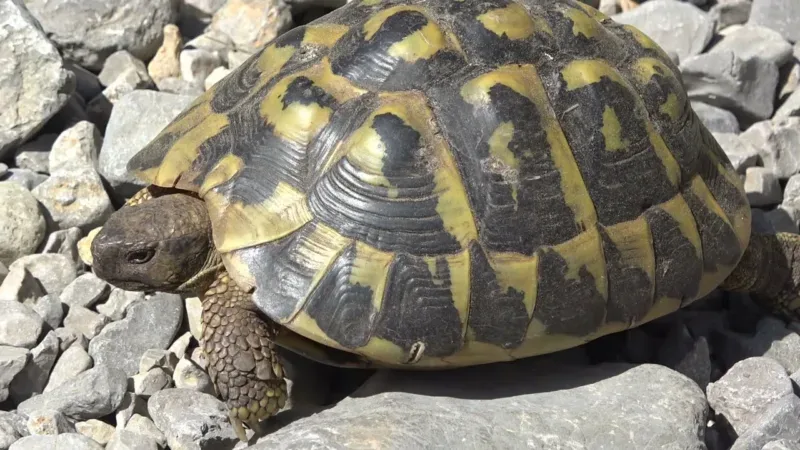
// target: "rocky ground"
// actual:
[[83, 365]]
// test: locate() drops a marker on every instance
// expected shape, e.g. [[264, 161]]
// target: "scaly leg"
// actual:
[[770, 272], [242, 361]]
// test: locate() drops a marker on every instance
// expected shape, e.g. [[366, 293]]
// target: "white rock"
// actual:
[[22, 226]]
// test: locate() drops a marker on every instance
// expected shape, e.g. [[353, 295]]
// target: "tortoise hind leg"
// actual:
[[770, 271], [241, 356]]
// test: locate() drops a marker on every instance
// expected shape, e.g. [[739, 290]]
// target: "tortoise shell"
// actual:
[[446, 183]]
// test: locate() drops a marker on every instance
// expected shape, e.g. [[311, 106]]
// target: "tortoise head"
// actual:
[[163, 244]]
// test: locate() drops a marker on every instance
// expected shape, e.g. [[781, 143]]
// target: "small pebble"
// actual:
[[86, 321], [73, 362], [189, 375], [85, 291], [97, 430], [48, 422], [150, 382]]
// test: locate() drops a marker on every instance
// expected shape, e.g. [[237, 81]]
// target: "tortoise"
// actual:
[[430, 184]]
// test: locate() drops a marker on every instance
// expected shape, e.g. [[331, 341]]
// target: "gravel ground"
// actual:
[[85, 365]]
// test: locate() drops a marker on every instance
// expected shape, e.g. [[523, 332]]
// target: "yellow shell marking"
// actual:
[[324, 34], [524, 80], [374, 23], [382, 350], [645, 41], [183, 152], [663, 153], [585, 250], [237, 225], [421, 44], [612, 131], [634, 242], [498, 149], [592, 12], [272, 61], [318, 250], [366, 151], [583, 72], [513, 21], [305, 325], [371, 2], [371, 269], [518, 272], [299, 123], [671, 107], [225, 169], [681, 213], [459, 270], [582, 23]]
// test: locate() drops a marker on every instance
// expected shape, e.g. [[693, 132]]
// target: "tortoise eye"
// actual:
[[140, 256]]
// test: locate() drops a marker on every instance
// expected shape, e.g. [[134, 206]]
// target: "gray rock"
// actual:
[[33, 378], [50, 423], [717, 120], [86, 290], [3, 169], [12, 428], [148, 324], [71, 441], [197, 64], [181, 345], [791, 192], [191, 419], [137, 118], [194, 311], [70, 337], [33, 154], [73, 362], [142, 426], [747, 390], [54, 271], [118, 303], [118, 65], [97, 430], [686, 355], [148, 383], [732, 12], [675, 26], [785, 219], [22, 225], [76, 148], [101, 107], [92, 394], [782, 16], [790, 107], [237, 58], [215, 77], [87, 85], [12, 361], [752, 41], [20, 326], [51, 310], [746, 87], [86, 321], [762, 187], [179, 86], [250, 24], [778, 421], [21, 286], [24, 177], [189, 375], [778, 143], [89, 33], [782, 444], [131, 405], [64, 242], [604, 406], [75, 198], [158, 358], [127, 440], [774, 340], [34, 84]]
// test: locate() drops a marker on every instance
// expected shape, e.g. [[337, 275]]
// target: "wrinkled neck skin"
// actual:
[[164, 244]]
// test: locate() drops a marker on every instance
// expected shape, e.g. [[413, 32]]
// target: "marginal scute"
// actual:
[[583, 24]]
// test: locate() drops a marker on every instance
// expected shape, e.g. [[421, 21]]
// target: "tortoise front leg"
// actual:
[[242, 361]]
